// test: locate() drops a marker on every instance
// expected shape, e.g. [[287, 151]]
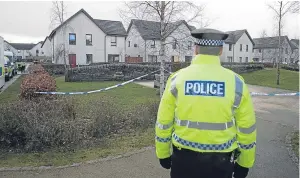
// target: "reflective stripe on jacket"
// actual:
[[206, 108]]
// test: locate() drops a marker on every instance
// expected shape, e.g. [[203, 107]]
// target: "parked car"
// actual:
[[8, 69]]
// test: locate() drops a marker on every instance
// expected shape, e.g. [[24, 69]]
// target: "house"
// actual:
[[144, 40], [237, 47], [266, 49], [47, 47], [87, 40], [24, 50], [295, 50]]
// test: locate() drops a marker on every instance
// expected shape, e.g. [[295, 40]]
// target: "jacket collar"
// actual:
[[206, 59]]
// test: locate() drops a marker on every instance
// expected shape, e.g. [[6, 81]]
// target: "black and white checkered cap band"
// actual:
[[207, 42]]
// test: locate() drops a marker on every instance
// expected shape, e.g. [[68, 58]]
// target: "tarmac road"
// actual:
[[276, 117]]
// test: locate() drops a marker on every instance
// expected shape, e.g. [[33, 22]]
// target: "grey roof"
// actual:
[[22, 46], [268, 42], [102, 24], [295, 43], [234, 36], [150, 30], [111, 27]]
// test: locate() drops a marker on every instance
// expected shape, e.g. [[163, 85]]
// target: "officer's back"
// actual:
[[206, 114]]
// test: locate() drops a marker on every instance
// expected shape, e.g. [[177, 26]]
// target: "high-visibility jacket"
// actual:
[[206, 108]]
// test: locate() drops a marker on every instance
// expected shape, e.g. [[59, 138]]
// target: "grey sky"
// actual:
[[30, 21]]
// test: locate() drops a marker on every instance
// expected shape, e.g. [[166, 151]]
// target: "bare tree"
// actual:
[[165, 12], [263, 35], [58, 16], [281, 9]]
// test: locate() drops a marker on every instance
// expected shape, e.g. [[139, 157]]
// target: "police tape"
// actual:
[[132, 80], [97, 91], [274, 94]]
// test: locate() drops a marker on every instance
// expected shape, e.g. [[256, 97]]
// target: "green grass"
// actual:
[[289, 80], [12, 92], [125, 98], [116, 146], [295, 143]]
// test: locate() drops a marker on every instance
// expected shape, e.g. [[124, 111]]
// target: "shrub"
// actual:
[[41, 124], [38, 125], [37, 81], [110, 120]]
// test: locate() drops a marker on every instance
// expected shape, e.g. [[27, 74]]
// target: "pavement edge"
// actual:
[[288, 141], [109, 158]]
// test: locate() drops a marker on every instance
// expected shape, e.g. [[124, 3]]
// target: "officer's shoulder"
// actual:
[[235, 74]]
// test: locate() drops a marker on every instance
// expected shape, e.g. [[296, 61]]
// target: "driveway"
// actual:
[[276, 117]]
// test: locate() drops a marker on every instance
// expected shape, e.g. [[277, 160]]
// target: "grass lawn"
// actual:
[[11, 93], [125, 98], [289, 80], [295, 143]]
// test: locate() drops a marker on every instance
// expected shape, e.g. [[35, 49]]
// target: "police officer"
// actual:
[[206, 116]]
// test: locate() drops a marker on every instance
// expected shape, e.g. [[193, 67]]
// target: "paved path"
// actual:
[[276, 117], [12, 80]]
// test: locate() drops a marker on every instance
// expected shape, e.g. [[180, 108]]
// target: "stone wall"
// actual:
[[54, 69], [110, 72], [123, 71], [236, 67]]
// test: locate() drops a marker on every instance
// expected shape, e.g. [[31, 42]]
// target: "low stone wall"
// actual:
[[110, 72], [236, 67], [54, 69]]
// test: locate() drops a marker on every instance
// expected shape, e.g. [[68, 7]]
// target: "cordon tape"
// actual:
[[132, 80]]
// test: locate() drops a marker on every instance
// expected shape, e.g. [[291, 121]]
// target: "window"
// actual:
[[286, 51], [241, 59], [113, 41], [190, 45], [241, 47], [230, 47], [88, 39], [113, 58], [128, 43], [153, 44], [37, 52], [152, 58], [188, 58], [253, 50], [72, 38], [89, 58], [246, 59], [292, 60], [284, 59], [259, 50], [246, 48], [42, 52], [135, 45], [229, 59], [175, 44]]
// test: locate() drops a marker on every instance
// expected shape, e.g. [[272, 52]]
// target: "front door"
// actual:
[[72, 60]]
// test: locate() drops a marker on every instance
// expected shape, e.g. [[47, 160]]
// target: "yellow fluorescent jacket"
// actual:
[[206, 108]]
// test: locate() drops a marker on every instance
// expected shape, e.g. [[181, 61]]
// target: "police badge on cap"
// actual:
[[209, 37]]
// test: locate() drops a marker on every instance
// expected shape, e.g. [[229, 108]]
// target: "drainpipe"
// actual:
[[105, 47], [145, 51], [124, 55], [53, 51]]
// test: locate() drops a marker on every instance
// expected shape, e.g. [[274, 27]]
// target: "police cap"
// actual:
[[209, 37]]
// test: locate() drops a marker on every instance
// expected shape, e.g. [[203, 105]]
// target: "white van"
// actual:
[[10, 56], [8, 69]]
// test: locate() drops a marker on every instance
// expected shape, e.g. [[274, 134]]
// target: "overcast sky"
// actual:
[[29, 22]]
